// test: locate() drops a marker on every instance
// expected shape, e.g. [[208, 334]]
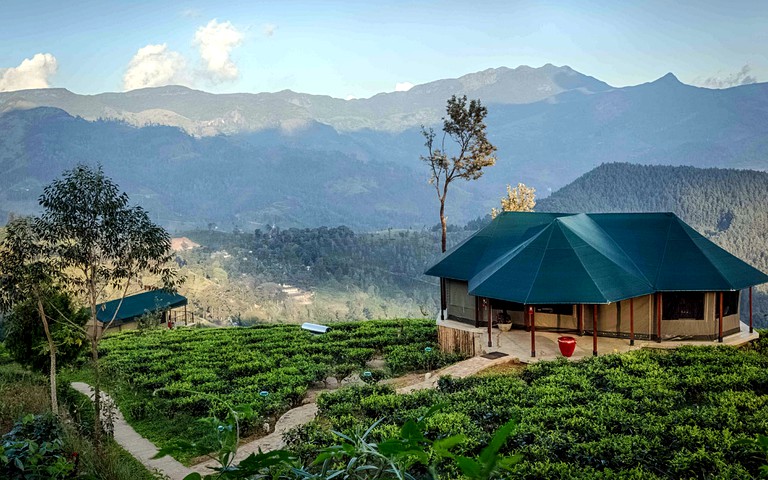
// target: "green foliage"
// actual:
[[645, 414], [21, 392], [407, 454], [33, 450], [199, 372], [387, 267], [411, 357], [25, 338]]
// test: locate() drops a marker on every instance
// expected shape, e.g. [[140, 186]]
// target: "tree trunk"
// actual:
[[443, 224], [97, 427], [52, 354]]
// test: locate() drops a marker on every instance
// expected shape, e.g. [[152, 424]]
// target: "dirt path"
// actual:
[[141, 448], [273, 441]]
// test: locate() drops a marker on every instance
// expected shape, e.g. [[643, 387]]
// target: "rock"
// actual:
[[331, 382], [427, 375]]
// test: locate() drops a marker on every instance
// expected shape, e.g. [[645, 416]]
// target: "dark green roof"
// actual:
[[135, 306], [542, 258]]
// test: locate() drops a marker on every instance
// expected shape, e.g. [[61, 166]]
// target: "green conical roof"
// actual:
[[545, 258]]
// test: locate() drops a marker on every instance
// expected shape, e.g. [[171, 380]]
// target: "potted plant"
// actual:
[[504, 321]]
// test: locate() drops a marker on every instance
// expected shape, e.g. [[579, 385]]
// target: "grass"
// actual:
[[23, 392]]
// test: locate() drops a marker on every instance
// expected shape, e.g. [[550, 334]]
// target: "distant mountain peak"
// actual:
[[669, 79]]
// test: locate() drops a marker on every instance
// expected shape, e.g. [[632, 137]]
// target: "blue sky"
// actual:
[[362, 48]]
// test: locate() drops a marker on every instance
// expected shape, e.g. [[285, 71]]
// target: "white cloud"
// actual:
[[33, 72], [215, 42], [403, 86], [742, 77], [351, 97], [269, 29], [191, 12], [155, 66]]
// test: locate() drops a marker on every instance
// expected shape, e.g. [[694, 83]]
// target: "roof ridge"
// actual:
[[541, 262], [502, 260], [682, 226], [664, 254], [626, 256]]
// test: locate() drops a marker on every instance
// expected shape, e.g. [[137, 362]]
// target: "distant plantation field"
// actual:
[[645, 414], [269, 367]]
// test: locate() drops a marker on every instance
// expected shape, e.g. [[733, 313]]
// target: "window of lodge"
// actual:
[[682, 305], [730, 303]]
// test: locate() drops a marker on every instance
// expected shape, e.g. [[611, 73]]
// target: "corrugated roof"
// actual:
[[543, 258], [135, 306]]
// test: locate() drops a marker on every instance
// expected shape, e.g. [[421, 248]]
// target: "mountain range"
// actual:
[[308, 160]]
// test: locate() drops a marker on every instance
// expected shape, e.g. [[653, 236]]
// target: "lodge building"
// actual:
[[646, 276]]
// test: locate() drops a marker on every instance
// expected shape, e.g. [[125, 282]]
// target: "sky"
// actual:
[[357, 49]]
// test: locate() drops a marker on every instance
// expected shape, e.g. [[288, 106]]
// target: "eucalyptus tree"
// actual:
[[101, 246], [26, 276]]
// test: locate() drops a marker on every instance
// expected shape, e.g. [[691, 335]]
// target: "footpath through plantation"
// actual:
[[693, 412], [165, 381]]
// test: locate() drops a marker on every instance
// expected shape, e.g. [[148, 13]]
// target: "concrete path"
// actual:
[[273, 441], [141, 448], [144, 450]]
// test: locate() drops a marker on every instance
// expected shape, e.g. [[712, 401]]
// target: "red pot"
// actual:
[[567, 345]]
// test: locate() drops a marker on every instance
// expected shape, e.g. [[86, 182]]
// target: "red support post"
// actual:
[[594, 330], [490, 323], [751, 330], [533, 331], [631, 321], [720, 323], [580, 319], [658, 317]]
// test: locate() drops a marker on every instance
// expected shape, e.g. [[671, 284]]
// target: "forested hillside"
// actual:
[[339, 274], [730, 207]]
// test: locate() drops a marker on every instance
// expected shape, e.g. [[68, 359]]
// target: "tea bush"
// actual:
[[646, 414], [201, 371]]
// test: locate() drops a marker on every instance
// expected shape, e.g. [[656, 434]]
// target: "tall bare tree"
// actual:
[[466, 156], [100, 245]]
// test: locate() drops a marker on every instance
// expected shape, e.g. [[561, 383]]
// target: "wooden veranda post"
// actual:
[[442, 298], [658, 317], [580, 319], [631, 321], [750, 311], [720, 323], [533, 331], [594, 330], [477, 312], [490, 323]]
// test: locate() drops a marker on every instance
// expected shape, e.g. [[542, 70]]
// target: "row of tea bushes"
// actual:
[[644, 414]]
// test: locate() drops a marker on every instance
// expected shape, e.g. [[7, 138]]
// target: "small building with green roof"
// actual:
[[124, 314], [630, 275]]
